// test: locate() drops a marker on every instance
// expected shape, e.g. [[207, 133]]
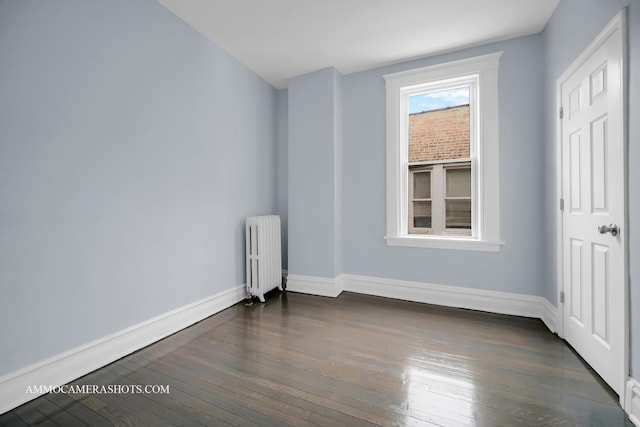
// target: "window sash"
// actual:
[[438, 206], [438, 199]]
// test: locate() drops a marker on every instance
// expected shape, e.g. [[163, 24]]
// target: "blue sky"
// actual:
[[440, 99]]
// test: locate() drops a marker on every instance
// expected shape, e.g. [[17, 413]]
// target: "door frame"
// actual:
[[618, 23]]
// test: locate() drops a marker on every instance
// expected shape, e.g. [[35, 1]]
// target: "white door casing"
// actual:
[[592, 183]]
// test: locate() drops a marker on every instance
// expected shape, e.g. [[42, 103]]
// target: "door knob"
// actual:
[[611, 228]]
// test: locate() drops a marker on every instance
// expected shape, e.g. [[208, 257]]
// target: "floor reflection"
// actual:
[[440, 398]]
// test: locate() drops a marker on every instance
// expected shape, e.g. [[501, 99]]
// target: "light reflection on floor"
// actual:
[[442, 398]]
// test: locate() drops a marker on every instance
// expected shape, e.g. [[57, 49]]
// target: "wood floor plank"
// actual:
[[206, 378], [202, 406], [10, 419], [55, 414], [78, 410], [289, 409], [31, 416], [356, 360]]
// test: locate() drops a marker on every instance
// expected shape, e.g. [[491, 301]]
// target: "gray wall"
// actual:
[[283, 169], [314, 174], [574, 24], [131, 150], [516, 267]]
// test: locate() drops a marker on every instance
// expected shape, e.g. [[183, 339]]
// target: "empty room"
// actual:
[[290, 212]]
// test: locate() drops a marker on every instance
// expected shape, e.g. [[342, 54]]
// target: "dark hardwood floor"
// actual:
[[355, 360]]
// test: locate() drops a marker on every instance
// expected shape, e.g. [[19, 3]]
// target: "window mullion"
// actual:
[[411, 199], [437, 199]]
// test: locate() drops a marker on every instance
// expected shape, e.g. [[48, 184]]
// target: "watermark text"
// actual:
[[99, 389]]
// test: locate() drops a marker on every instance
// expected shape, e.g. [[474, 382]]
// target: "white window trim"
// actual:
[[486, 219]]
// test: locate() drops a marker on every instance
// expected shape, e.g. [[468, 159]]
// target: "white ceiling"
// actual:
[[281, 39]]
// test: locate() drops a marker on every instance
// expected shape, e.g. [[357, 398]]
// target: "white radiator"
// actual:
[[264, 261]]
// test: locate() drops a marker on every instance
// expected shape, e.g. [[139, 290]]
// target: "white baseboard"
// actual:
[[632, 401], [549, 315], [449, 296], [323, 286], [453, 296], [66, 367]]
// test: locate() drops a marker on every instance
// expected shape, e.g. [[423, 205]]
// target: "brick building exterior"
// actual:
[[439, 134]]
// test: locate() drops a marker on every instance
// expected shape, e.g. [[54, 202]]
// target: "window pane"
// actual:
[[422, 214], [458, 214], [422, 185], [439, 125], [459, 182]]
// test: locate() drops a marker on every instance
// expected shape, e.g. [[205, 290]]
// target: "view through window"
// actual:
[[440, 197]]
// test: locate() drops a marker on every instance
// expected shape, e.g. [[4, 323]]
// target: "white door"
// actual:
[[593, 219]]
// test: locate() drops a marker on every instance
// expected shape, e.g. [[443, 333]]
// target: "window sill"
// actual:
[[445, 242]]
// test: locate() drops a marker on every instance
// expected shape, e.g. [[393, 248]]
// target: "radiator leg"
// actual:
[[260, 297]]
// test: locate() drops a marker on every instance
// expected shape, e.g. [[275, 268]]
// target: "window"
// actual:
[[442, 156]]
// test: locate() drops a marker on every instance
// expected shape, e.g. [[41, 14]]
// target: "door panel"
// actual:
[[575, 183], [600, 291], [599, 164], [593, 181], [576, 281]]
